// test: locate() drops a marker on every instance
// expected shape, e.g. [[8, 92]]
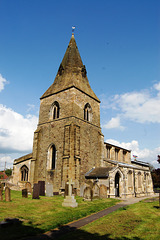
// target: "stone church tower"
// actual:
[[68, 141]]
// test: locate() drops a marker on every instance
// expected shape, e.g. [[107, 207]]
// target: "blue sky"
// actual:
[[119, 42]]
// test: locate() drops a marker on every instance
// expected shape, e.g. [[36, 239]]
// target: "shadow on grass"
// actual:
[[17, 231], [68, 233], [158, 207], [63, 233]]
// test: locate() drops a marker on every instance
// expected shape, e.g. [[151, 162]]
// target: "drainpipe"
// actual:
[[134, 183], [124, 185]]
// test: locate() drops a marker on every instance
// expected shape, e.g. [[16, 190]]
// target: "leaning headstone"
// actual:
[[1, 195], [7, 194], [41, 188], [35, 194], [25, 193], [29, 187], [49, 189]]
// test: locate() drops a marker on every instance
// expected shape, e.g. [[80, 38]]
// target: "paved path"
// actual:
[[54, 234]]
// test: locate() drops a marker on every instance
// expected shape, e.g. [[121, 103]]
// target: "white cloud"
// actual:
[[31, 107], [146, 155], [16, 131], [157, 86], [5, 161], [139, 107], [113, 123], [3, 81]]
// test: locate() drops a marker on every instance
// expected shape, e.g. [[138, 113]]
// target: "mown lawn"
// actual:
[[41, 215], [135, 222]]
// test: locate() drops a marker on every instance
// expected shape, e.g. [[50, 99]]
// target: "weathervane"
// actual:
[[73, 28]]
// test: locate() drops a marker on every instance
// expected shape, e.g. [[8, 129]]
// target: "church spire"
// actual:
[[71, 73]]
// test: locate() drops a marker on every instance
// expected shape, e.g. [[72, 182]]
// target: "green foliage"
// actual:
[[156, 177], [8, 172]]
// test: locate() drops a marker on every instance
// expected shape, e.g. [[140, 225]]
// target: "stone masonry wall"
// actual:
[[87, 140]]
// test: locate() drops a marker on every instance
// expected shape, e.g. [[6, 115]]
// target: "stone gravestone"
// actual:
[[25, 193], [87, 194], [103, 191], [41, 188], [96, 191], [67, 189], [7, 194], [1, 195], [69, 200], [29, 187], [35, 194], [49, 189]]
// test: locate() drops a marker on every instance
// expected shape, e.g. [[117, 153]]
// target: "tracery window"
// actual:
[[87, 112], [24, 173], [55, 110], [51, 161]]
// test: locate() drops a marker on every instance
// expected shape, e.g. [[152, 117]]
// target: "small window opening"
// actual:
[[24, 173], [55, 110], [87, 112]]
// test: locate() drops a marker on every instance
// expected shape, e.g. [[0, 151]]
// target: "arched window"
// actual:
[[87, 112], [24, 173], [55, 110], [51, 161]]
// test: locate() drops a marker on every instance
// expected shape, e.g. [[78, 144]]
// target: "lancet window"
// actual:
[[87, 112], [51, 161], [116, 154], [108, 152], [55, 110]]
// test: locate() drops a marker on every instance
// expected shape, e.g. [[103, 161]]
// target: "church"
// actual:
[[68, 142]]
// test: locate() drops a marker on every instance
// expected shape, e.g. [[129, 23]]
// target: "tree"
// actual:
[[156, 174], [8, 172]]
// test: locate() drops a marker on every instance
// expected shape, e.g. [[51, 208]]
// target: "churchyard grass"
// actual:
[[134, 222], [46, 213]]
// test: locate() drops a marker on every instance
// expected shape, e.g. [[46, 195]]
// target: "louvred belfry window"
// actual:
[[87, 112], [55, 110]]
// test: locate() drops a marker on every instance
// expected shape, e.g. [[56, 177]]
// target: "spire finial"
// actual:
[[73, 28]]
